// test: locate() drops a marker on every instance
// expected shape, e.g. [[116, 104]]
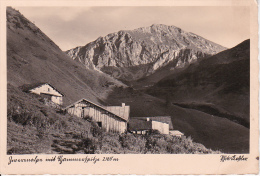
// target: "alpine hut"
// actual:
[[112, 119], [45, 90]]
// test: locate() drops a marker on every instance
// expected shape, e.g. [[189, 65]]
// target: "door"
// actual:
[[82, 112]]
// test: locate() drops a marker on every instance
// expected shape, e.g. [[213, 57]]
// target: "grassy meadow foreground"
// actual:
[[35, 126]]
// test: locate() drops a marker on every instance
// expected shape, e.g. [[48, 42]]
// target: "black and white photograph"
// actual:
[[128, 80], [149, 80]]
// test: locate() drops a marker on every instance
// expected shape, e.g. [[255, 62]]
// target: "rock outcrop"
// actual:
[[156, 45]]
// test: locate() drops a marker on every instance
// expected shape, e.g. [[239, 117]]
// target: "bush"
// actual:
[[153, 132], [132, 143], [90, 145], [22, 116], [95, 130], [111, 144], [88, 118]]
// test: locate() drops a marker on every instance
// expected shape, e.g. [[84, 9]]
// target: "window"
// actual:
[[49, 90], [99, 124]]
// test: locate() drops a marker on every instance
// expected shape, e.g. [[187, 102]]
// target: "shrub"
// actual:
[[61, 111], [22, 116], [90, 145], [88, 118], [95, 130], [133, 143], [175, 149], [153, 132], [60, 125], [110, 143]]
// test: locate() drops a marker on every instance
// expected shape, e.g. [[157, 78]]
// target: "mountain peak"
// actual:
[[155, 28], [163, 26], [159, 26], [156, 45]]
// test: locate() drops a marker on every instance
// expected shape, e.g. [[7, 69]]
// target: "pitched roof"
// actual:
[[122, 111], [164, 119], [99, 106], [28, 87], [139, 124]]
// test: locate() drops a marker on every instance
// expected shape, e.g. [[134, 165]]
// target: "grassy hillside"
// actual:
[[32, 57], [212, 131], [159, 74], [218, 85], [34, 127], [128, 73]]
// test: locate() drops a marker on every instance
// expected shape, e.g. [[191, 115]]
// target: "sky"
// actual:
[[70, 27]]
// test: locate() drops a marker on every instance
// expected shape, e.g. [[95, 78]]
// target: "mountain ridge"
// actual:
[[33, 57], [156, 46], [219, 84]]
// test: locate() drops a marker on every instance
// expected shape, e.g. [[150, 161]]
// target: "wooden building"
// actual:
[[121, 111], [142, 125], [114, 120], [45, 90]]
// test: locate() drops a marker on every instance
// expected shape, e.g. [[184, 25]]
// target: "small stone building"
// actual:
[[112, 119], [142, 125], [45, 90]]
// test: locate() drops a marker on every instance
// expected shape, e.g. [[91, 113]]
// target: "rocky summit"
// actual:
[[151, 47]]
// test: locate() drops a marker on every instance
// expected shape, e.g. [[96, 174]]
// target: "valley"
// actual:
[[157, 70]]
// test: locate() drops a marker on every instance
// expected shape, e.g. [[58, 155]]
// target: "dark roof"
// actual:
[[99, 106], [164, 119], [139, 124], [28, 87]]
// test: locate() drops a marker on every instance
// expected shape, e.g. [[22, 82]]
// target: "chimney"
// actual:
[[123, 104], [147, 119]]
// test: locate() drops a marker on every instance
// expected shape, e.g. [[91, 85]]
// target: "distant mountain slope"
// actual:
[[32, 57], [218, 85], [133, 54], [212, 131]]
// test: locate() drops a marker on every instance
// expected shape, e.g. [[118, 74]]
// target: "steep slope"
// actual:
[[133, 54], [32, 57], [218, 85]]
